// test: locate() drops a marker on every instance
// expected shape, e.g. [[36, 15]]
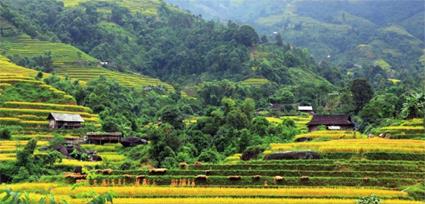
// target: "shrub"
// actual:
[[5, 134], [369, 200], [210, 155], [252, 152]]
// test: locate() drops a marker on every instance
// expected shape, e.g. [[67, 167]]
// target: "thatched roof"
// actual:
[[331, 120], [63, 117]]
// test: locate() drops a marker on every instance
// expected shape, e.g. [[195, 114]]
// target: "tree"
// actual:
[[414, 105], [279, 40], [247, 36], [5, 133], [165, 142], [362, 93], [264, 39]]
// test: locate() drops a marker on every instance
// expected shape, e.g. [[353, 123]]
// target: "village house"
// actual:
[[331, 122], [103, 137], [65, 121]]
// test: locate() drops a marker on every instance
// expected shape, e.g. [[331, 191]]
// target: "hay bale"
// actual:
[[208, 172], [76, 176], [366, 179], [256, 177], [304, 179], [183, 165], [158, 171], [278, 178], [105, 171], [234, 178], [197, 164], [201, 178]]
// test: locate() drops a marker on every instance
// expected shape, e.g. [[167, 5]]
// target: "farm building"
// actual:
[[103, 137], [306, 109], [65, 121], [331, 122]]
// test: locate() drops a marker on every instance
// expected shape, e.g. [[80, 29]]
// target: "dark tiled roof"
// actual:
[[62, 117], [331, 120]]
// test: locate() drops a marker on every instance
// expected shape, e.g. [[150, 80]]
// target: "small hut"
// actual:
[[331, 122], [65, 121], [103, 137]]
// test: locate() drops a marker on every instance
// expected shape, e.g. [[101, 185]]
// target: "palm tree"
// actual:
[[414, 105]]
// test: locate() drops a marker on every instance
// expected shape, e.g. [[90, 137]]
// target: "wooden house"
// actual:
[[103, 137], [331, 122], [65, 121]]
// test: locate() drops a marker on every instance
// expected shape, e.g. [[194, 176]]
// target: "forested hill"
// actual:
[[156, 39], [387, 33]]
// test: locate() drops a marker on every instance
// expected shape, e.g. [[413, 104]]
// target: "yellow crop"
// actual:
[[70, 162], [332, 135], [355, 146], [142, 191], [240, 201], [29, 187]]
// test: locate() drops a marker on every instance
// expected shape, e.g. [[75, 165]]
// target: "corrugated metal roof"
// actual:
[[305, 108], [331, 120], [64, 117]]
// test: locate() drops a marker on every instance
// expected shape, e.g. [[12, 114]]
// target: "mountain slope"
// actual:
[[172, 45], [332, 30]]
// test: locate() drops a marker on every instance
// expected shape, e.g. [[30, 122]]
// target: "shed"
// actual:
[[331, 122], [65, 121], [103, 137]]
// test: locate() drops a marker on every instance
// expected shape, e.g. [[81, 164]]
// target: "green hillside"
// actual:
[[72, 62]]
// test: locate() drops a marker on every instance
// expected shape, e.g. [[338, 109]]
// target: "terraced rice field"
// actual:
[[331, 134], [255, 81], [356, 146], [154, 194], [74, 63], [300, 121], [413, 128], [130, 80], [147, 7]]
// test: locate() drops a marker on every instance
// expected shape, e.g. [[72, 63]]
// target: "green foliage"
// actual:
[[5, 134], [42, 62], [369, 200], [362, 93], [57, 140], [210, 155], [102, 199]]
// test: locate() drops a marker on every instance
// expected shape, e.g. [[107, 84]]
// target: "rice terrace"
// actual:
[[212, 102]]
